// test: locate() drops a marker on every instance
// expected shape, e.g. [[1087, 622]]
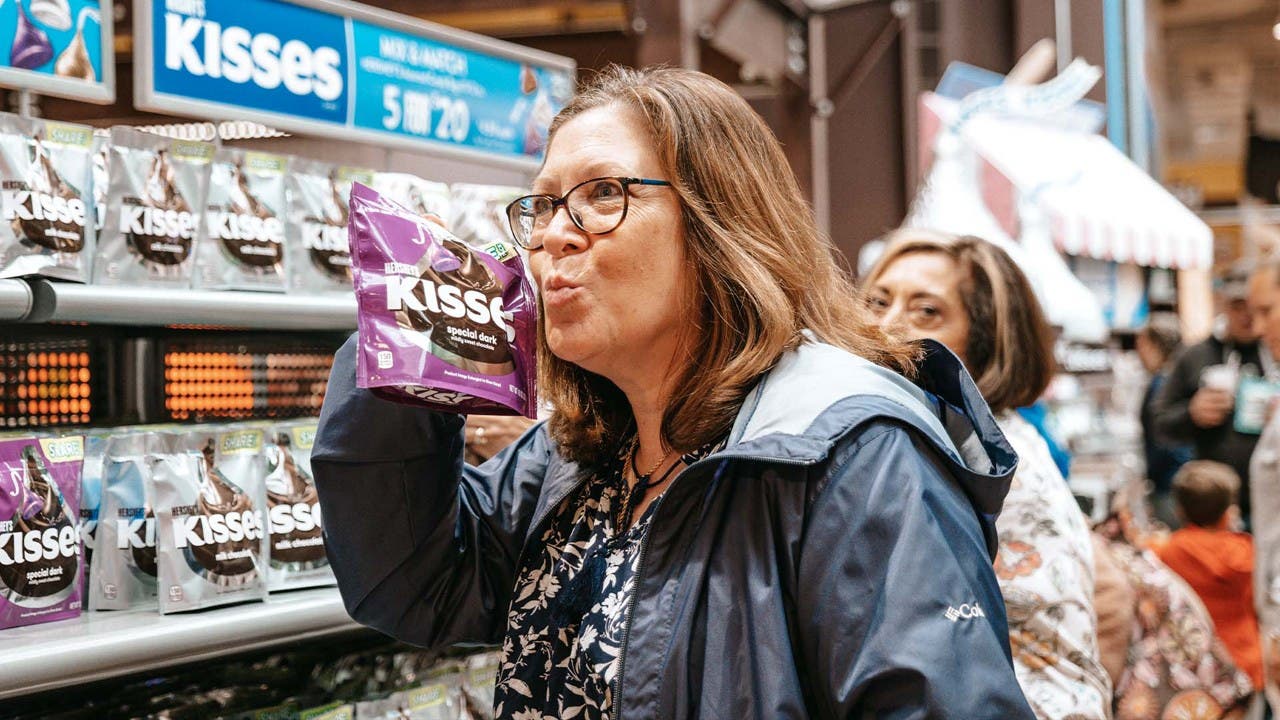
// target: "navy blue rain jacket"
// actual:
[[833, 561]]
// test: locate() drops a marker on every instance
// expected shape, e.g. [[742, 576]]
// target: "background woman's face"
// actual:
[[609, 299], [918, 296], [1149, 353]]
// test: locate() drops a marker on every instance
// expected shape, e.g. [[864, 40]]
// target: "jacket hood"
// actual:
[[819, 393]]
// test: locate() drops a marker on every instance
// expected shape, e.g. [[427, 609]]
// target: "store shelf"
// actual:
[[38, 300], [102, 645]]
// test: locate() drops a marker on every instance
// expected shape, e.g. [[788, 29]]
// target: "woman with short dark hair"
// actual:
[[971, 296], [740, 507]]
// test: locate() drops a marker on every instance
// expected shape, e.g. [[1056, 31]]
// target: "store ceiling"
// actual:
[[1197, 12], [516, 18], [496, 18], [1221, 62], [1218, 83]]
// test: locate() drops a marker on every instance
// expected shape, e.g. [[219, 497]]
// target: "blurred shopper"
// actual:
[[1037, 414], [1157, 344], [1196, 403], [1265, 489], [1115, 602], [1174, 666], [969, 295], [1214, 559]]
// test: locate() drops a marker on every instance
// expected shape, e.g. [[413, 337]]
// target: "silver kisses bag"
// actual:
[[211, 540], [316, 236], [297, 556], [123, 571], [47, 198], [243, 246], [155, 207]]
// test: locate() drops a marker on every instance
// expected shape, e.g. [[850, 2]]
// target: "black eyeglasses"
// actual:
[[596, 206]]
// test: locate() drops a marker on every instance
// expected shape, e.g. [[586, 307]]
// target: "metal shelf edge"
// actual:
[[237, 309], [16, 301], [101, 645]]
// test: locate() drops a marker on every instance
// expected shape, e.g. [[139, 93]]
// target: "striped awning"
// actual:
[[1098, 202]]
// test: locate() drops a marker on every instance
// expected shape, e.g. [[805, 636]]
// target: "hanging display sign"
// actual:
[[59, 47], [339, 69]]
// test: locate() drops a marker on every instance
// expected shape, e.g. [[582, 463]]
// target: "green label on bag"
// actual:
[[426, 696], [74, 135], [333, 711]]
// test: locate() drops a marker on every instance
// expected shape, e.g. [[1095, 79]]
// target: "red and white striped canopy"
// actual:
[[1099, 203]]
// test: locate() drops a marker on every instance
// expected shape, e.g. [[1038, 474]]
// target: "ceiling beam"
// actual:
[[510, 22], [1177, 13]]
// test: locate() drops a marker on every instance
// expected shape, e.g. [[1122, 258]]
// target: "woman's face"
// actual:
[[1149, 353], [918, 296], [610, 302]]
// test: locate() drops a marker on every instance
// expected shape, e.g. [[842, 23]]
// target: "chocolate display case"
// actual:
[[76, 355], [243, 378], [124, 352], [46, 381], [79, 357], [121, 355]]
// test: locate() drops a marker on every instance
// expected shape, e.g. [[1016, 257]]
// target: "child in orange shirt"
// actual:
[[1216, 561]]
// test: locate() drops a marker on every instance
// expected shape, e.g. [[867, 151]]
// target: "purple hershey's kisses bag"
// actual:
[[40, 554], [442, 325]]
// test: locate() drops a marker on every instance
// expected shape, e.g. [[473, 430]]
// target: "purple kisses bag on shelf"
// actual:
[[40, 554], [442, 325]]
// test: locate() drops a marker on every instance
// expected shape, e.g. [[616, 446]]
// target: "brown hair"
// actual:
[[760, 272], [1164, 333], [1009, 350], [1205, 490]]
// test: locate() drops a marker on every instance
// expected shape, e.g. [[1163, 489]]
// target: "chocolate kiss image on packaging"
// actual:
[[211, 520], [155, 205], [316, 235], [480, 212], [296, 552], [423, 197], [40, 560], [90, 500], [243, 247], [442, 324], [31, 47], [73, 61], [45, 192], [122, 575]]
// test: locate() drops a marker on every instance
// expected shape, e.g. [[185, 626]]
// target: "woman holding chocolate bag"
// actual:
[[740, 507]]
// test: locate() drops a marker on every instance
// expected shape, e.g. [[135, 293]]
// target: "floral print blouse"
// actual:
[[1045, 570], [1176, 667], [557, 670]]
